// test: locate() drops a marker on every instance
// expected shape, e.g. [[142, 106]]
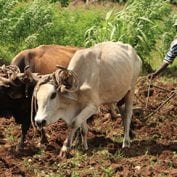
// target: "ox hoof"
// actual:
[[64, 152], [64, 155], [85, 146], [126, 144]]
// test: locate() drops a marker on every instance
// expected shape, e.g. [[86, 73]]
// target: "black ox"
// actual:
[[15, 99]]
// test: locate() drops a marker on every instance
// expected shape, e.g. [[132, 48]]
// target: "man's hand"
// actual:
[[158, 71], [152, 75]]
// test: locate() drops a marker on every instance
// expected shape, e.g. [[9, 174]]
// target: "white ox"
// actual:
[[106, 73]]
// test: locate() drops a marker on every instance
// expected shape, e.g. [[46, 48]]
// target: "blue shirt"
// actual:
[[172, 52]]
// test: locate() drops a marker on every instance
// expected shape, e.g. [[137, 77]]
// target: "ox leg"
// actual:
[[43, 137], [78, 121], [67, 143], [126, 113], [114, 111], [25, 128], [122, 111], [84, 130]]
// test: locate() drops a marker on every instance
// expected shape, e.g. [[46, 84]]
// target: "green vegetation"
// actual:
[[9, 135], [139, 24], [29, 24], [144, 24]]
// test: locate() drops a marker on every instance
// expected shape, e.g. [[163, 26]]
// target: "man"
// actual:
[[169, 58]]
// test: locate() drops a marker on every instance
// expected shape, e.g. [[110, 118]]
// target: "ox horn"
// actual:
[[6, 82], [62, 78], [8, 74], [30, 77], [2, 71], [2, 67]]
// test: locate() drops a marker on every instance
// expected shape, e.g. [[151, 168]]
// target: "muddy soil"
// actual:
[[153, 150]]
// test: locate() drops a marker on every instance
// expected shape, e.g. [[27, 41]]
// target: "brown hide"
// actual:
[[43, 59]]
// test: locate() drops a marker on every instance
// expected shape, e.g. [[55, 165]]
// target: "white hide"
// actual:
[[107, 73]]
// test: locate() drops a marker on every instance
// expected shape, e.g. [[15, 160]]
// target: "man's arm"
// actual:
[[159, 70], [169, 58]]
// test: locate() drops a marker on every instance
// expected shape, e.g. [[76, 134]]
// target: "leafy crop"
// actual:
[[23, 23], [30, 24], [147, 25], [138, 24]]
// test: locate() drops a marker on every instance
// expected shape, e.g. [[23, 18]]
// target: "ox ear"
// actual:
[[65, 80], [61, 67], [71, 96]]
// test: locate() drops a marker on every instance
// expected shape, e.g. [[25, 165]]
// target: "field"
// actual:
[[153, 150]]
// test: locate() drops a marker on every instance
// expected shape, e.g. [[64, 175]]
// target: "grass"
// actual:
[[119, 154], [10, 135], [108, 171]]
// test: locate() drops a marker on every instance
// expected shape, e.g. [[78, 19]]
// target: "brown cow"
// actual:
[[43, 59]]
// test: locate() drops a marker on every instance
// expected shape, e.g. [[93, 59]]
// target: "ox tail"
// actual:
[[23, 59], [137, 64]]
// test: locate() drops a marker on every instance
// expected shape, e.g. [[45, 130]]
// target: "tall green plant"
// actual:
[[26, 24], [139, 23], [22, 23], [34, 21], [7, 19], [71, 25]]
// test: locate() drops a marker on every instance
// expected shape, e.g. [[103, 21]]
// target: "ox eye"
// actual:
[[53, 95]]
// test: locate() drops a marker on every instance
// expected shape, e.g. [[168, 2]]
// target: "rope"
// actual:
[[42, 80], [32, 111]]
